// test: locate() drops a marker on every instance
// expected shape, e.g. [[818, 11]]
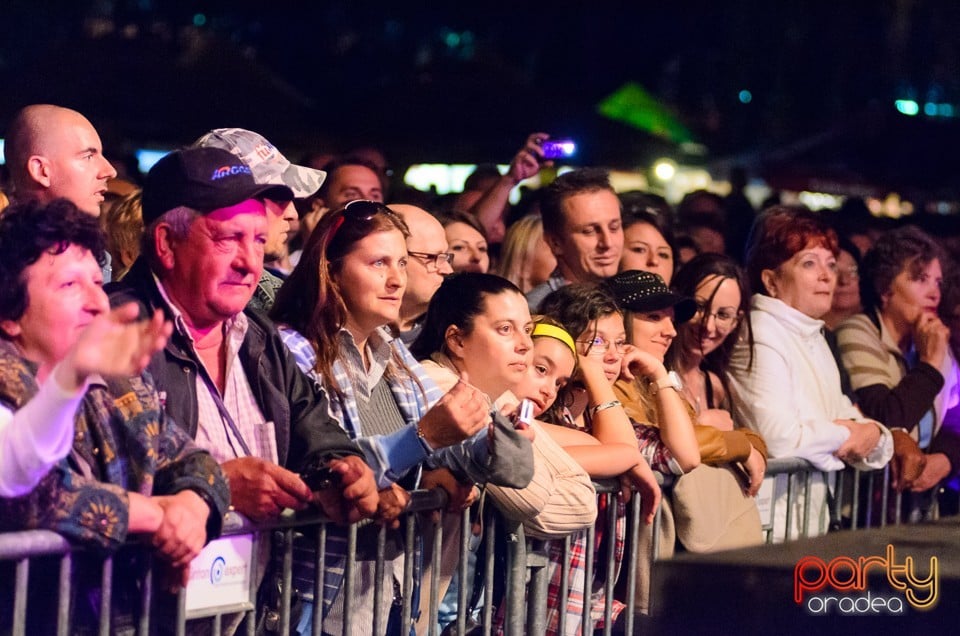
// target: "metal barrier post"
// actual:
[[106, 595], [885, 496], [611, 500], [181, 624], [320, 563], [564, 584], [633, 547], [378, 619], [836, 515], [587, 624], [462, 610], [516, 562], [538, 562], [807, 481], [146, 596], [251, 619], [349, 574], [406, 613], [435, 580], [20, 597], [490, 527]]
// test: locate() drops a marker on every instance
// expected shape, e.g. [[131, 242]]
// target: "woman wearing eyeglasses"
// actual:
[[846, 297], [703, 344], [333, 314], [700, 355], [572, 386]]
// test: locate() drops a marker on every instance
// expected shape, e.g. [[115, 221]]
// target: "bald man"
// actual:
[[429, 262], [55, 152]]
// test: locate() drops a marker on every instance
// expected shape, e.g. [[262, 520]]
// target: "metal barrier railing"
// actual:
[[527, 570]]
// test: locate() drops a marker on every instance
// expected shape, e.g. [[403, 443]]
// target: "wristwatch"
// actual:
[[669, 381]]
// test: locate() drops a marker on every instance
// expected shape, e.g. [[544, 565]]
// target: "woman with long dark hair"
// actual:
[[333, 314]]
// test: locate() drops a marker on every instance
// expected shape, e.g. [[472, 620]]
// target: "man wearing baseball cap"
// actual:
[[269, 167], [225, 374]]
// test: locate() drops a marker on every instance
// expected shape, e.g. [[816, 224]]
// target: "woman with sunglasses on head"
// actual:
[[700, 355], [333, 314]]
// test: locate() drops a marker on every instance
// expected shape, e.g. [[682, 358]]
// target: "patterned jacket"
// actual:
[[123, 442]]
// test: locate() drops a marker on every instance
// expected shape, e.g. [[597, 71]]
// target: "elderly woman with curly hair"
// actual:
[[898, 355]]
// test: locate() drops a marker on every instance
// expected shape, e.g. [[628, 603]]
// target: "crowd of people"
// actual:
[[241, 332]]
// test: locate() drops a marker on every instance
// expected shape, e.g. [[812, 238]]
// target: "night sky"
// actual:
[[467, 81]]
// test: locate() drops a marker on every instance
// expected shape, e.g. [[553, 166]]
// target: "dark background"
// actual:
[[465, 82]]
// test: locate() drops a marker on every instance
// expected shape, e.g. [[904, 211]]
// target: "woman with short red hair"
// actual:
[[786, 385]]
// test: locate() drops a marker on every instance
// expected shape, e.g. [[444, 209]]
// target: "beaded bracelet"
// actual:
[[605, 406]]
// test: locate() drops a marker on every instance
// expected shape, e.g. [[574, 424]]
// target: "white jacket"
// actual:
[[791, 395]]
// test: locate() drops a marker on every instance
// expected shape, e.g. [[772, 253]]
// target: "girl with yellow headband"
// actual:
[[587, 405]]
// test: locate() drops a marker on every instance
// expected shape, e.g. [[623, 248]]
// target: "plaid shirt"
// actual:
[[213, 432], [660, 459], [390, 456], [578, 573]]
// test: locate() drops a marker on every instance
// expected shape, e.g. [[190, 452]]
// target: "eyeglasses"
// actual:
[[600, 346], [725, 317], [436, 260], [360, 210], [849, 273]]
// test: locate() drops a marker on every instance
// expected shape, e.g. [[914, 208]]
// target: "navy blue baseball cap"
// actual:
[[203, 179]]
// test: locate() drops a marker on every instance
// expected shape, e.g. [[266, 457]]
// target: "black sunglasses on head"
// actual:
[[360, 210]]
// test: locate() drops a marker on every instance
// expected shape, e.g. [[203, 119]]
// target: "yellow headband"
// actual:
[[548, 330]]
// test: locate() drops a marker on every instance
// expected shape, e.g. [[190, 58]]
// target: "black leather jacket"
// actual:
[[298, 408]]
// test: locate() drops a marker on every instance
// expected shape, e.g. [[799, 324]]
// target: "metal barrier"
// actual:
[[527, 569]]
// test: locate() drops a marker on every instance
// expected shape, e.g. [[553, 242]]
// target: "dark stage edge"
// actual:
[[751, 591]]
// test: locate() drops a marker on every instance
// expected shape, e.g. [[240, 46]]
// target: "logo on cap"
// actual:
[[226, 171], [265, 151]]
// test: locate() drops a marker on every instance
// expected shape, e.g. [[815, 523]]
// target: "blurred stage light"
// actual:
[[907, 107], [664, 169]]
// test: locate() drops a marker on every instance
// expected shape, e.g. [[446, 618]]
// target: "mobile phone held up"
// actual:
[[558, 149]]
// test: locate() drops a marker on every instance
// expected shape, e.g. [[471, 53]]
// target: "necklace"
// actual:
[[694, 388]]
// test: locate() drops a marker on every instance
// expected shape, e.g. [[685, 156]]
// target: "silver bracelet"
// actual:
[[605, 406]]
